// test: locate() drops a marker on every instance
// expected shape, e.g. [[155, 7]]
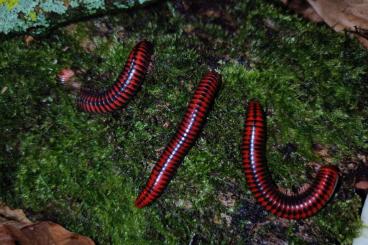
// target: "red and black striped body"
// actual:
[[127, 84], [184, 138], [258, 178]]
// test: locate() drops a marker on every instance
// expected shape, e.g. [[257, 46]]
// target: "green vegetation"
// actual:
[[84, 171]]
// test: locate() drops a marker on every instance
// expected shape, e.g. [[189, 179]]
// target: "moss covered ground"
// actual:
[[84, 171]]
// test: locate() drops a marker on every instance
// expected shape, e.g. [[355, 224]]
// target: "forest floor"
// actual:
[[84, 171]]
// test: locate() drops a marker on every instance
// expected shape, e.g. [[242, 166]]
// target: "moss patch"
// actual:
[[84, 171]]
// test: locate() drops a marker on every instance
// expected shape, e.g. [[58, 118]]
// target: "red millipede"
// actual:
[[184, 138], [126, 86], [259, 180]]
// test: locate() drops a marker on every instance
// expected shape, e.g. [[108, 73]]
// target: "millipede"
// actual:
[[290, 206], [184, 138], [126, 85]]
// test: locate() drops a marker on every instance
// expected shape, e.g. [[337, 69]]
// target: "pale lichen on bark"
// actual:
[[18, 16]]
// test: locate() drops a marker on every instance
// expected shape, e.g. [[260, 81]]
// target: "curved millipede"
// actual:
[[260, 183], [184, 138], [127, 84]]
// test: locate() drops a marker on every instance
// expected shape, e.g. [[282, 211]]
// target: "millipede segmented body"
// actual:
[[127, 84], [184, 138], [260, 183]]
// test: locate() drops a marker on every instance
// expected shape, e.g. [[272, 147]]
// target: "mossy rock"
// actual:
[[38, 16]]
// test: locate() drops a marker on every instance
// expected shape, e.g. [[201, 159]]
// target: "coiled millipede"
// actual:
[[258, 178], [126, 86]]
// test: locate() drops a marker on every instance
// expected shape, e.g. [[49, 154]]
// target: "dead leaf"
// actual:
[[15, 216], [28, 39], [341, 15], [16, 228], [303, 8], [167, 124], [43, 233], [363, 40]]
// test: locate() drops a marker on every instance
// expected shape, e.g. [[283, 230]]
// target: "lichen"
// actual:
[[93, 5], [10, 4], [21, 15], [53, 6]]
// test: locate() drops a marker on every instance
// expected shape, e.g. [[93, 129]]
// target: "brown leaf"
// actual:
[[303, 8], [43, 233], [363, 41], [14, 216], [16, 228], [28, 39], [341, 15]]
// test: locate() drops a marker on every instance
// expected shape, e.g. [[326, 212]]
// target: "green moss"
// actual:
[[84, 171]]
